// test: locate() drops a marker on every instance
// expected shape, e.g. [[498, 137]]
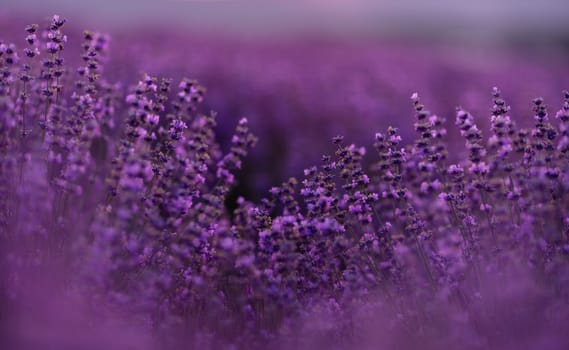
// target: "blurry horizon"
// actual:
[[482, 21]]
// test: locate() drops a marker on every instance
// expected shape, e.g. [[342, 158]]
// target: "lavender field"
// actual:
[[168, 190]]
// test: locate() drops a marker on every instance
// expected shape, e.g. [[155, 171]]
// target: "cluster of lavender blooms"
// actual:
[[315, 88], [122, 194]]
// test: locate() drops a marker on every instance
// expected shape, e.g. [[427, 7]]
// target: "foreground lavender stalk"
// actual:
[[122, 197]]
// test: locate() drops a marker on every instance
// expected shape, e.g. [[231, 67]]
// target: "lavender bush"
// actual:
[[115, 213], [298, 93]]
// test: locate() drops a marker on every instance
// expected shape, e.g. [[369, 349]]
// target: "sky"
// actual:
[[487, 19]]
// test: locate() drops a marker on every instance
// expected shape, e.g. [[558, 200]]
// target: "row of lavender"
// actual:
[[121, 193], [315, 88]]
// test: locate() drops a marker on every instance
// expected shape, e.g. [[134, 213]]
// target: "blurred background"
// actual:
[[304, 71], [488, 20]]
